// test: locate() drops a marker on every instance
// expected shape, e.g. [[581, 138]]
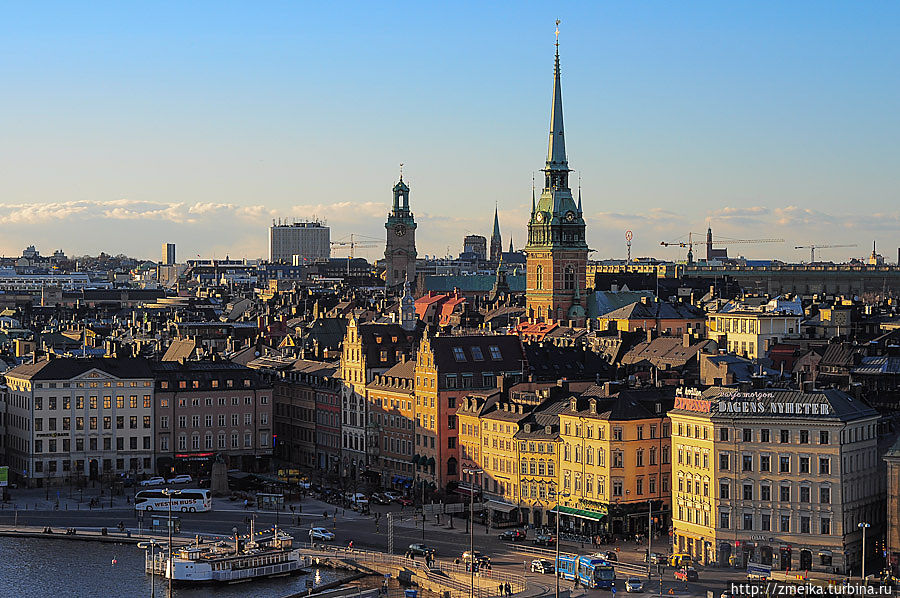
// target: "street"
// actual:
[[366, 533]]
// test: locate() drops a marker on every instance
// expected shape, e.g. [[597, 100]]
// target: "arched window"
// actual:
[[532, 469], [539, 279], [451, 466]]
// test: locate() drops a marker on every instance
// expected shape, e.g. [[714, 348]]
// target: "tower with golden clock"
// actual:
[[556, 267], [400, 248]]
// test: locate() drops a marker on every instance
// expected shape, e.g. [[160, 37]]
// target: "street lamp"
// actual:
[[151, 545], [473, 472], [556, 495], [863, 527], [169, 569]]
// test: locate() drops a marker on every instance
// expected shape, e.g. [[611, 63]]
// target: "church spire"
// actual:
[[496, 233], [556, 154]]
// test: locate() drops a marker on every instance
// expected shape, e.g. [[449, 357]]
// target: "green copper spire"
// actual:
[[556, 153], [496, 233]]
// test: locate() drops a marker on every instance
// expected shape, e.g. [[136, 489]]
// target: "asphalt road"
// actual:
[[364, 532]]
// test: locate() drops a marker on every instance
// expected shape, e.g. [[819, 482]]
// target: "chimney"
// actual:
[[758, 381], [563, 383], [809, 386], [650, 335]]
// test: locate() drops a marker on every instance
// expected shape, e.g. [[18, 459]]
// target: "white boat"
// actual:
[[260, 554]]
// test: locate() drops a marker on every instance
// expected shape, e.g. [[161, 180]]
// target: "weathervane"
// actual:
[[401, 170], [557, 32]]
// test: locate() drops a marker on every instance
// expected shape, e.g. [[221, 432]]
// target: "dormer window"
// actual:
[[459, 354], [573, 403], [476, 354]]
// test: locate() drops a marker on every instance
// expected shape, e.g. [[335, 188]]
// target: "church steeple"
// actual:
[[556, 154], [496, 240]]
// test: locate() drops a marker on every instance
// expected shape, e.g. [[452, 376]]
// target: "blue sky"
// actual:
[[128, 125]]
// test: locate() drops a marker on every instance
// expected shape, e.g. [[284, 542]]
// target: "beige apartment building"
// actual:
[[751, 333], [777, 477]]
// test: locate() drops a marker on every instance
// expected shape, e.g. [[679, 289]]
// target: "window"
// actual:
[[748, 491], [459, 354], [804, 525], [639, 459], [804, 436], [724, 491], [164, 422], [825, 495], [824, 466], [747, 463], [825, 528], [785, 523], [639, 486], [723, 462], [823, 437], [784, 464], [765, 521], [748, 435], [539, 277], [785, 436], [617, 487], [723, 434], [764, 435], [107, 402], [724, 522], [495, 352], [617, 459], [132, 422], [748, 521], [617, 434], [804, 464], [182, 442], [477, 355], [804, 494], [785, 495]]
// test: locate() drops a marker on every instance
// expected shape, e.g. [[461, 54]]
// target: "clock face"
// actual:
[[570, 216], [400, 230], [539, 217]]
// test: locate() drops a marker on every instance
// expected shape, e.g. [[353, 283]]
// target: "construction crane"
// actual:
[[351, 245], [812, 249], [709, 242]]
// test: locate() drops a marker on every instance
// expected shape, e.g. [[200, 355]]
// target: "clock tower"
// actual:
[[556, 266], [400, 249]]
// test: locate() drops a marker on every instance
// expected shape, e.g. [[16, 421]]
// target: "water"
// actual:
[[38, 568]]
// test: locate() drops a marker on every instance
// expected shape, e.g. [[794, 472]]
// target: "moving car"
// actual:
[[542, 566], [680, 559], [686, 574], [357, 498], [180, 479], [634, 584], [392, 495], [654, 558], [479, 558], [380, 499], [610, 555], [154, 481], [405, 501], [320, 533], [421, 550], [512, 535], [544, 539]]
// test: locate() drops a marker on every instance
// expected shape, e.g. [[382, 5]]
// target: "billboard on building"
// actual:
[[4, 476]]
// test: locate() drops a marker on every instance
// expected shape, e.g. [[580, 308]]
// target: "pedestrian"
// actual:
[[508, 589], [350, 545], [501, 589]]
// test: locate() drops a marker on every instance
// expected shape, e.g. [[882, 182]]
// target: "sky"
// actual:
[[127, 125]]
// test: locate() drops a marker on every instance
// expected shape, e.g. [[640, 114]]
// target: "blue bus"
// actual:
[[591, 571]]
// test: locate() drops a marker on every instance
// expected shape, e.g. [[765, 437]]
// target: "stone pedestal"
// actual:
[[218, 481]]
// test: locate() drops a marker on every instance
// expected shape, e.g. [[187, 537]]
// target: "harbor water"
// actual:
[[39, 568]]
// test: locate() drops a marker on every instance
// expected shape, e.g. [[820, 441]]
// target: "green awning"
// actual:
[[581, 513]]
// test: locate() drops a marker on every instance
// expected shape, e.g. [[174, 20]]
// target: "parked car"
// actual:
[[542, 566], [380, 499], [686, 574], [320, 533], [479, 558], [180, 479], [512, 535], [544, 539], [154, 481], [654, 558], [391, 494], [421, 550], [404, 501], [634, 584]]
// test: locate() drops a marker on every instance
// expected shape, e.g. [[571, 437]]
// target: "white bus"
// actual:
[[189, 501]]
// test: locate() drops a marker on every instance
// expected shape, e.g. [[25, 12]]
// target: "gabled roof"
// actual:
[[478, 353], [665, 350]]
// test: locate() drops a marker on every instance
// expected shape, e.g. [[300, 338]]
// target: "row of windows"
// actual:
[[786, 523], [618, 456], [222, 441], [51, 466], [183, 384], [208, 420], [208, 401], [784, 463], [53, 444], [93, 402], [587, 431], [617, 485], [94, 384], [92, 422]]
